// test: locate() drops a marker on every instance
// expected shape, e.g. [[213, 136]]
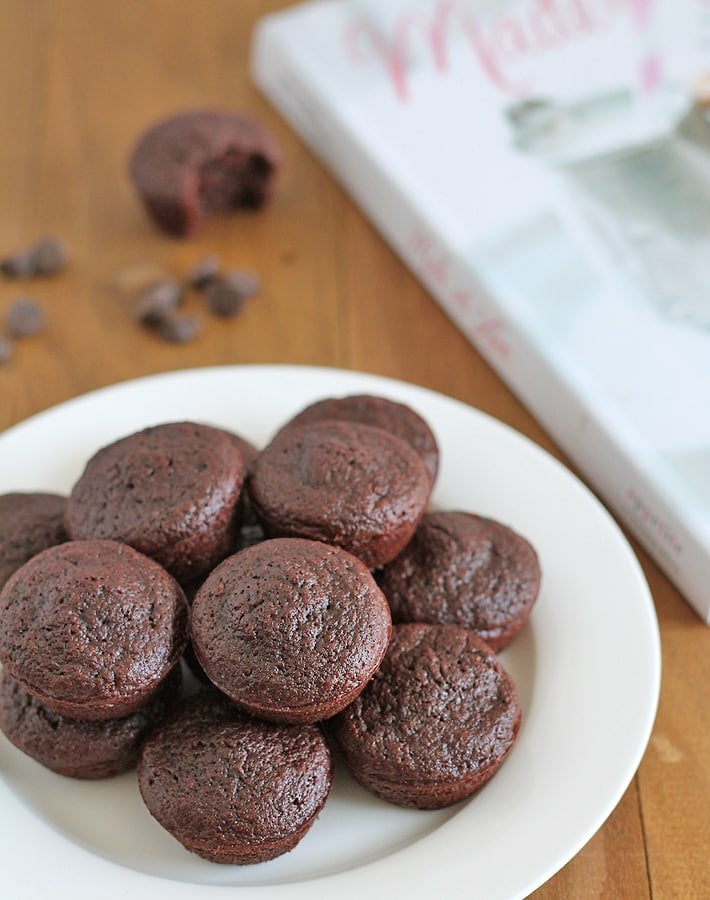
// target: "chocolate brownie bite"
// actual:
[[29, 522], [79, 748], [463, 569], [380, 412], [229, 787], [290, 629], [344, 483], [200, 163], [171, 491], [91, 628], [436, 721]]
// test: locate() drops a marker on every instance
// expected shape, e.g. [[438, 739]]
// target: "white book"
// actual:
[[543, 168]]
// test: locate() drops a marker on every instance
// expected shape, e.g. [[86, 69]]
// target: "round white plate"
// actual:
[[587, 666]]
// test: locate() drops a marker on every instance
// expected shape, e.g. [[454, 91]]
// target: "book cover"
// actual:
[[543, 166]]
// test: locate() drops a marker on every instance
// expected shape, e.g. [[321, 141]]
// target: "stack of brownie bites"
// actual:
[[276, 576]]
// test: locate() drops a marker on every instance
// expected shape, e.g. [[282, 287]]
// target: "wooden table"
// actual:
[[78, 82]]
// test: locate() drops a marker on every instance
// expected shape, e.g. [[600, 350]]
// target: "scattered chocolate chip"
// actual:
[[24, 318], [18, 265], [46, 257], [50, 256], [224, 301], [204, 273], [158, 301], [244, 282], [178, 328], [6, 349], [226, 297]]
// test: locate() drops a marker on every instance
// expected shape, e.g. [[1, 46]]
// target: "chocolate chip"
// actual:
[[50, 256], [24, 318], [226, 297], [18, 265], [224, 301], [204, 273], [158, 301], [178, 328], [46, 257], [244, 282], [6, 349]]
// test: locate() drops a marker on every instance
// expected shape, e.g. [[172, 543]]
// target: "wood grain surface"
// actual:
[[79, 80]]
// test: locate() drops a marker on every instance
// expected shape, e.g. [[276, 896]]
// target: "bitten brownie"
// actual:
[[343, 483], [171, 491], [230, 788], [380, 412], [199, 163], [79, 748], [435, 722], [29, 522], [290, 629], [462, 569], [91, 628]]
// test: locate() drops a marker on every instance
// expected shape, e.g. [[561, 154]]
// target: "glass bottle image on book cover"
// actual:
[[639, 167]]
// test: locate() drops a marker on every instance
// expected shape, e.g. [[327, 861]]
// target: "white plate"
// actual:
[[587, 666]]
